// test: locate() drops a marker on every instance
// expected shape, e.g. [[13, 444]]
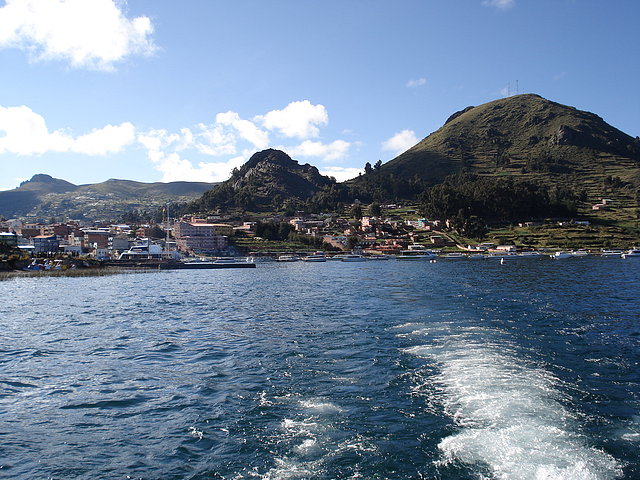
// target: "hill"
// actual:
[[528, 139], [270, 179], [43, 197], [521, 134]]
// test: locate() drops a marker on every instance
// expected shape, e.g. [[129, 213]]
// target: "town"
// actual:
[[391, 231]]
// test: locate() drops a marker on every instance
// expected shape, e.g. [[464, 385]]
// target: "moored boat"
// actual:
[[288, 258], [634, 252]]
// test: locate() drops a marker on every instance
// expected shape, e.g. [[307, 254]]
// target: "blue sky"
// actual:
[[159, 90]]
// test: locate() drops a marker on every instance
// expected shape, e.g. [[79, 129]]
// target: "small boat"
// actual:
[[560, 255], [352, 257], [315, 257], [634, 252], [377, 257], [454, 255], [288, 258], [416, 254], [611, 252], [207, 264], [579, 253]]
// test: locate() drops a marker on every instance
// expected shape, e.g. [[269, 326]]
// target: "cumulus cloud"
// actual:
[[87, 33], [341, 173], [416, 82], [298, 119], [400, 142], [246, 129], [202, 152], [501, 4], [327, 152], [24, 132], [110, 139]]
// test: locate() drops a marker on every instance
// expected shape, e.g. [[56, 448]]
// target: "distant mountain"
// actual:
[[43, 197], [269, 180]]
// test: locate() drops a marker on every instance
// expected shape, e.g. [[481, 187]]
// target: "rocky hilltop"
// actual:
[[269, 179]]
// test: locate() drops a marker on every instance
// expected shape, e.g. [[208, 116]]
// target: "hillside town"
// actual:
[[217, 235]]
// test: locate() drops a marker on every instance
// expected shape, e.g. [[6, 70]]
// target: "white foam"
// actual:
[[320, 407], [511, 415]]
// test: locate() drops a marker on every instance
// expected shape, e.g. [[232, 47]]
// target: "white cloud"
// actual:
[[501, 4], [298, 119], [400, 142], [417, 82], [181, 155], [174, 168], [247, 130], [326, 152], [110, 139], [341, 173], [86, 33], [24, 132]]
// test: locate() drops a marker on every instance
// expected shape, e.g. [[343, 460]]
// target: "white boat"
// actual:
[[315, 257], [288, 258], [415, 254], [579, 253], [378, 256], [611, 252], [454, 255], [634, 252], [560, 255], [352, 257]]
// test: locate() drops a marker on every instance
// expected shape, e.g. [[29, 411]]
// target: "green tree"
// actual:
[[356, 211]]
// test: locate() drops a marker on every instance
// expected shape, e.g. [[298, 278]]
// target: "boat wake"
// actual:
[[512, 419]]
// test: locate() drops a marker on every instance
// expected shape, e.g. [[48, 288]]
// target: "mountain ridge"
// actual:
[[44, 196]]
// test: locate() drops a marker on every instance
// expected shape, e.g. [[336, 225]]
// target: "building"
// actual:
[[201, 237], [9, 239], [45, 244], [96, 238]]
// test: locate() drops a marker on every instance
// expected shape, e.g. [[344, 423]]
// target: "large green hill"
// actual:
[[526, 138]]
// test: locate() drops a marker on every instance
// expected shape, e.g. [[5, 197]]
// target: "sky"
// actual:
[[160, 90]]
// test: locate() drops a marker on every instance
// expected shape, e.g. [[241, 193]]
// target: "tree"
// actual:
[[367, 168], [356, 211], [375, 210], [378, 164]]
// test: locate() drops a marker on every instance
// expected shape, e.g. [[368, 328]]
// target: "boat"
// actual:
[[611, 252], [579, 253], [315, 257], [352, 257], [415, 254], [200, 264], [560, 255], [454, 255], [288, 258], [377, 256], [634, 252]]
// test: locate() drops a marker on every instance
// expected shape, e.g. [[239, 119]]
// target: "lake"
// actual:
[[460, 369]]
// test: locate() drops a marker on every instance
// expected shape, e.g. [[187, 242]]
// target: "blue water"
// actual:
[[377, 370]]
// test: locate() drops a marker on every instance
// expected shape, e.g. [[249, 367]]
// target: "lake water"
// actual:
[[462, 369]]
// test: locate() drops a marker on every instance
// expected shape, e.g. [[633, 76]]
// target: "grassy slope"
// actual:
[[503, 137]]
